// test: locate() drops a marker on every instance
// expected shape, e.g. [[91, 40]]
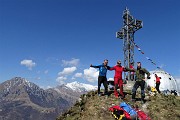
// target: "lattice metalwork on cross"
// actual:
[[130, 26]]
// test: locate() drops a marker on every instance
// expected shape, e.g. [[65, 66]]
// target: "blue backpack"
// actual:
[[128, 109]]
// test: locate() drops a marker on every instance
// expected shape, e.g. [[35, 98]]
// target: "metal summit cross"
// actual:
[[130, 26]]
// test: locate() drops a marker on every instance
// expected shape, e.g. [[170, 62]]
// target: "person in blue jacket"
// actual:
[[102, 76]]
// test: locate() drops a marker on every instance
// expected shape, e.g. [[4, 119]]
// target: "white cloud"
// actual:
[[91, 74], [28, 63], [73, 62], [78, 75], [46, 72], [38, 78], [61, 79], [67, 71], [62, 76]]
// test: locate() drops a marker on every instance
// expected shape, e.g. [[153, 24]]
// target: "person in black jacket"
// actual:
[[102, 76]]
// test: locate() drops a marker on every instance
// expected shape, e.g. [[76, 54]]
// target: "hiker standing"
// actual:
[[102, 76], [140, 81], [158, 83], [118, 82]]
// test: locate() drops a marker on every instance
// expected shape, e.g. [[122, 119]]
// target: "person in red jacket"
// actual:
[[158, 83], [118, 82]]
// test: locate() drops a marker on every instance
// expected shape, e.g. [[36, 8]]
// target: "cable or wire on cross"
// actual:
[[139, 49]]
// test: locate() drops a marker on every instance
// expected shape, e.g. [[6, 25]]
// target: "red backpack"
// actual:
[[142, 115], [114, 108]]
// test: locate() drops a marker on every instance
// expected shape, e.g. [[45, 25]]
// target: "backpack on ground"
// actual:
[[129, 109], [142, 115], [119, 113]]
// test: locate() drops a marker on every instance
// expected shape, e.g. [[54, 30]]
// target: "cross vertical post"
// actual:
[[130, 26]]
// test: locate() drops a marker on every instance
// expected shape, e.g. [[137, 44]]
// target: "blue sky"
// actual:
[[50, 42]]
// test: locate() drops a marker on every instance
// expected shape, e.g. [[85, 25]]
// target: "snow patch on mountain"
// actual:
[[80, 87]]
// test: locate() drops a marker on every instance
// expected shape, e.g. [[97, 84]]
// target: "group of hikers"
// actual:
[[118, 81]]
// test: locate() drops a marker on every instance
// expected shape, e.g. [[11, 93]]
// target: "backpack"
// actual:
[[142, 115], [119, 113], [129, 109]]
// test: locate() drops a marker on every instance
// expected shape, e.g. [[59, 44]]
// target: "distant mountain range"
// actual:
[[24, 100]]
